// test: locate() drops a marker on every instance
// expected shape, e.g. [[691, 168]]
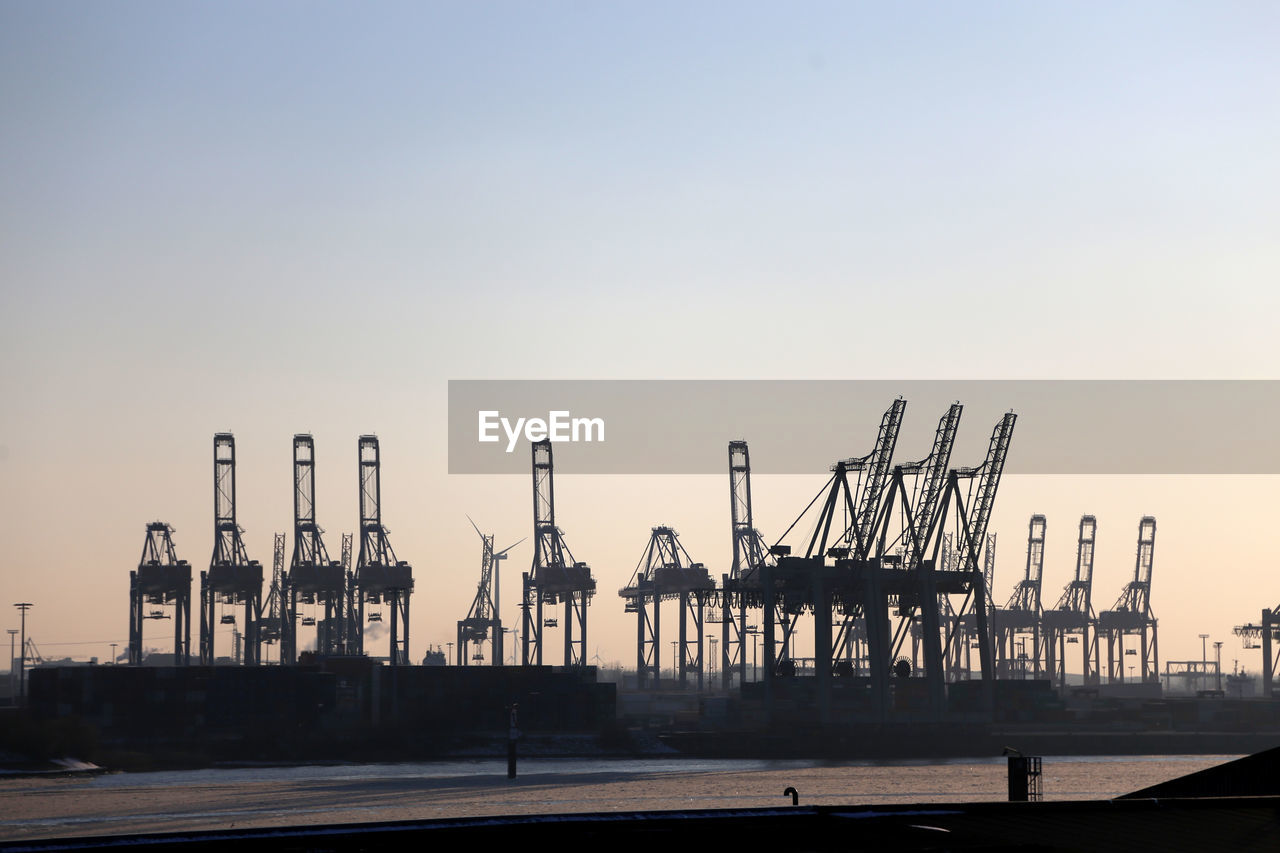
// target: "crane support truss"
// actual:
[[313, 579], [232, 577], [483, 623], [667, 572], [380, 577], [1132, 616], [160, 579], [1072, 620], [1019, 621], [961, 660], [554, 576]]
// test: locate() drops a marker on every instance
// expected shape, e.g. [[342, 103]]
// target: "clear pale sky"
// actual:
[[304, 217]]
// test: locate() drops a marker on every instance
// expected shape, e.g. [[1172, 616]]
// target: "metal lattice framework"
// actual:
[[232, 577], [1131, 615], [1072, 620], [380, 577], [313, 578], [483, 623], [667, 572], [164, 580], [554, 576], [272, 630]]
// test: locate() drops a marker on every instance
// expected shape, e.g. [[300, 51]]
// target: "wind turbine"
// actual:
[[484, 621]]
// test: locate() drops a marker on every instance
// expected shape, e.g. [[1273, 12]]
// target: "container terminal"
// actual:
[[889, 569]]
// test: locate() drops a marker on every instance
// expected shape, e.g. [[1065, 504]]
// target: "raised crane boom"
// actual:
[[1026, 596], [380, 577], [551, 578], [1136, 597], [749, 549], [930, 485], [312, 575], [1077, 595], [876, 464], [232, 577], [985, 481]]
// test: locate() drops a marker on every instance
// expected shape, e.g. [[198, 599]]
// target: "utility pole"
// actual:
[[13, 632], [23, 607]]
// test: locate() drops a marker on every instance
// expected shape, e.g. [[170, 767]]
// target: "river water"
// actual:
[[115, 803]]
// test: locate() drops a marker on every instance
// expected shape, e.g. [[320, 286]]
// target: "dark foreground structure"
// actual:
[[1238, 824], [347, 708]]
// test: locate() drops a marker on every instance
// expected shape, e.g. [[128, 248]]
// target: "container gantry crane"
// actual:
[[313, 579], [1021, 618], [380, 577], [484, 622], [842, 531], [232, 577], [1072, 620], [667, 572], [554, 576], [1132, 614], [1264, 634], [160, 579], [750, 552]]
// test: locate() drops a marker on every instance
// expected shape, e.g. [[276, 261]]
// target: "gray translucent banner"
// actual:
[[802, 427]]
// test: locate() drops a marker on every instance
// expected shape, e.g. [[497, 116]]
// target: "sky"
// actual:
[[302, 217]]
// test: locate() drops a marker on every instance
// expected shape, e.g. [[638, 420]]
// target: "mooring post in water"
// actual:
[[512, 734], [1024, 776]]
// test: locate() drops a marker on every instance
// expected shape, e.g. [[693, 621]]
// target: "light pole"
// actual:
[[1217, 657], [23, 607], [1204, 660], [674, 666]]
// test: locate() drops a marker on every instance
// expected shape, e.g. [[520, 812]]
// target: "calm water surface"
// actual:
[[283, 796]]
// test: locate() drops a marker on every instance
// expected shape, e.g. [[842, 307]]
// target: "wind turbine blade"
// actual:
[[508, 548], [477, 529]]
